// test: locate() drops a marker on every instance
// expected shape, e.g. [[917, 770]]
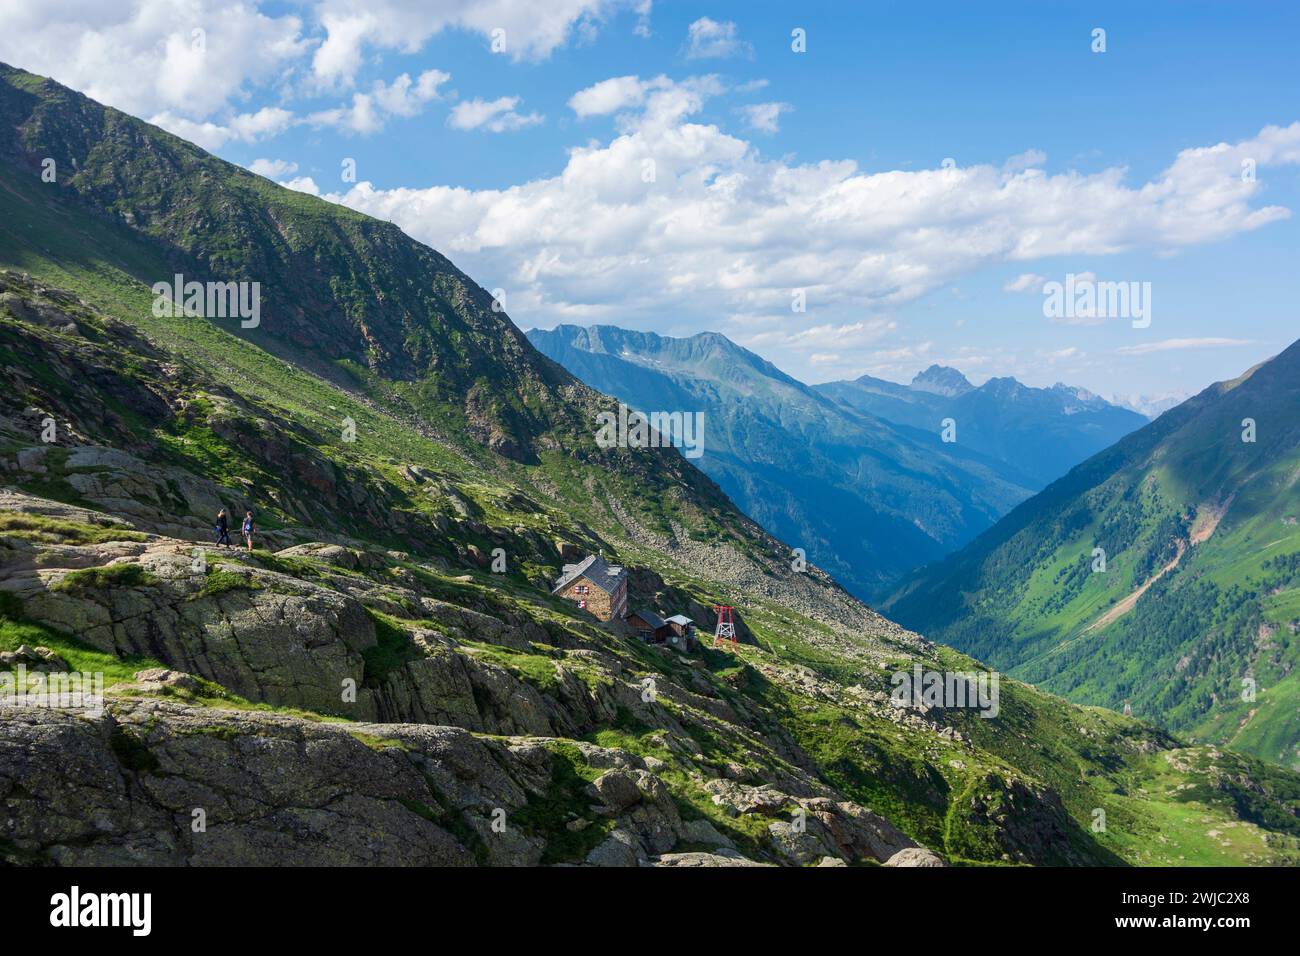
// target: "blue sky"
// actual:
[[775, 173]]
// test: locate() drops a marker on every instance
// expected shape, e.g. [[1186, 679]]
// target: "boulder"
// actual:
[[159, 679], [620, 848], [616, 789], [915, 856], [705, 833], [33, 659]]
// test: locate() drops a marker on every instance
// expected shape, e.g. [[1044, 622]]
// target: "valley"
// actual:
[[360, 687]]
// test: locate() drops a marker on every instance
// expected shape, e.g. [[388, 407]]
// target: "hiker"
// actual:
[[249, 528], [223, 528]]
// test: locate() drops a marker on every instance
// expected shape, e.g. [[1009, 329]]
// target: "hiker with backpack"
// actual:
[[248, 529], [223, 529]]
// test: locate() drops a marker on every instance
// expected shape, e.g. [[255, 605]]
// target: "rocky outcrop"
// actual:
[[262, 635], [158, 783], [327, 627], [1027, 821]]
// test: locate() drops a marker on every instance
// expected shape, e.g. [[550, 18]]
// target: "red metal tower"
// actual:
[[726, 625]]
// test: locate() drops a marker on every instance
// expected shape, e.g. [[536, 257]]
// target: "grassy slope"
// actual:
[[1026, 598]]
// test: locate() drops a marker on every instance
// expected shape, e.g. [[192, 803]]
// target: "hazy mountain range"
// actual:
[[1152, 406], [857, 474]]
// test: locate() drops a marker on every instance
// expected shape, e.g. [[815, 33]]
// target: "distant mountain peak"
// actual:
[[942, 380], [1152, 406]]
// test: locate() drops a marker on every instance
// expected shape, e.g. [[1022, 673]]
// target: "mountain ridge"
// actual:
[[1038, 433], [1195, 515], [846, 487], [865, 464]]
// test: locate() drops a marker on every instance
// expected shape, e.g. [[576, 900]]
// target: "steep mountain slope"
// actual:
[[865, 501], [1198, 518], [362, 687], [341, 293], [1039, 433]]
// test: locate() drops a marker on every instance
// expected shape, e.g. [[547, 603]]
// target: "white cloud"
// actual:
[[246, 127], [714, 39], [642, 9], [1025, 282], [145, 57], [1178, 345], [765, 117], [369, 112], [719, 230], [303, 184], [855, 334], [192, 65], [531, 30], [1029, 159], [273, 168], [1056, 355], [646, 105], [495, 116], [614, 95], [404, 98], [268, 121]]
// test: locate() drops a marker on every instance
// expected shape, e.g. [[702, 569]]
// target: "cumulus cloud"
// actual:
[[1026, 160], [614, 95], [671, 220], [273, 168], [495, 116], [764, 117], [714, 39], [190, 65], [245, 127], [303, 184], [153, 57], [528, 30], [368, 112], [645, 105]]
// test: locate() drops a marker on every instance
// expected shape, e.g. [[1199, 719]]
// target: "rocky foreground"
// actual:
[[160, 783], [244, 746], [332, 703]]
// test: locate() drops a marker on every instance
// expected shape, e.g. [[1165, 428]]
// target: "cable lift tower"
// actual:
[[726, 629]]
